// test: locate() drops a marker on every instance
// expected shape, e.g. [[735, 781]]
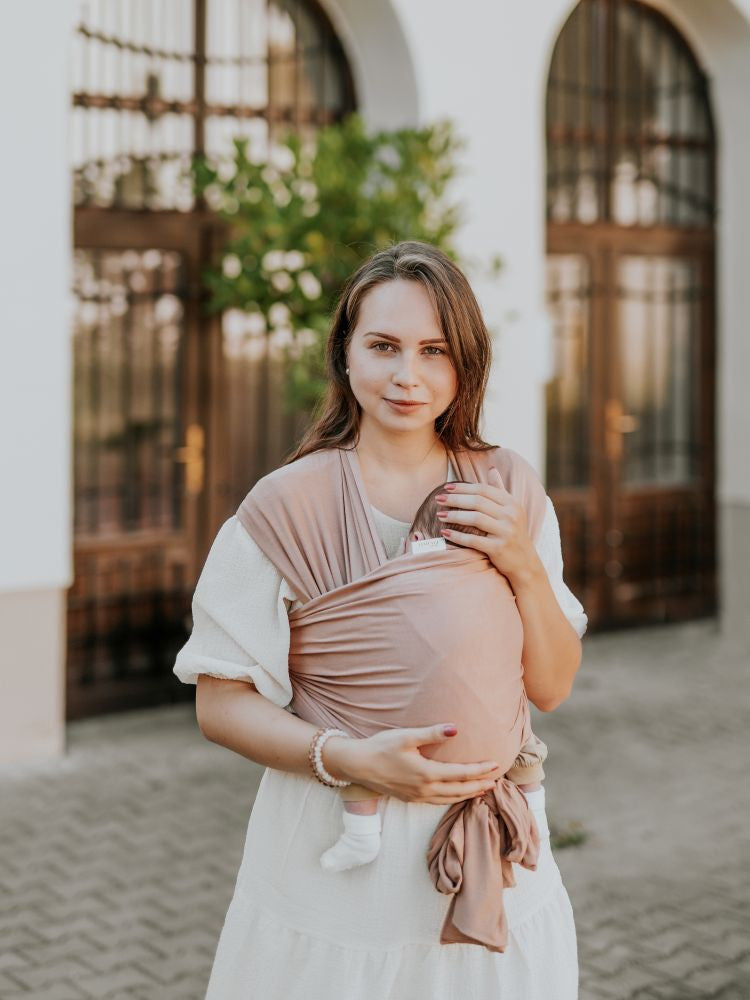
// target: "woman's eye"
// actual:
[[430, 347]]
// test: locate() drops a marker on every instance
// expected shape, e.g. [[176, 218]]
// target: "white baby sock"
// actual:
[[358, 844]]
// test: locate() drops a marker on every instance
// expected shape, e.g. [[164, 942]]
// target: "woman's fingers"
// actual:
[[440, 771], [475, 519], [419, 736], [473, 501], [494, 490]]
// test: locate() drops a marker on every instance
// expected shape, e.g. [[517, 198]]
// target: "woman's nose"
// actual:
[[405, 373]]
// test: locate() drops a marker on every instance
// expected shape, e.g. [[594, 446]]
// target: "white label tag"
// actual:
[[428, 545]]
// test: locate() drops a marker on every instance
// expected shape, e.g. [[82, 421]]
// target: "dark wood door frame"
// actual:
[[606, 506], [179, 554]]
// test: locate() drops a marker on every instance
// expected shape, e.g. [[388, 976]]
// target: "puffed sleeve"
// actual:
[[240, 618], [549, 549]]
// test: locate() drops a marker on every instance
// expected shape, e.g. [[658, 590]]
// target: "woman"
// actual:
[[408, 359]]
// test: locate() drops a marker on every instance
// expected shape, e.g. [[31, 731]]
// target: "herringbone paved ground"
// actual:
[[118, 862]]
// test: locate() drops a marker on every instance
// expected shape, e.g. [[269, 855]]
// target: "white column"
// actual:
[[35, 359]]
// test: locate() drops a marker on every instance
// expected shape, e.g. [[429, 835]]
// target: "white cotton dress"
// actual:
[[294, 931]]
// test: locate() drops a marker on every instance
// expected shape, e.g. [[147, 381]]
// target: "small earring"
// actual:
[[347, 371]]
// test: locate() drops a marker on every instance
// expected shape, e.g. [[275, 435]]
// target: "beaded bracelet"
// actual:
[[315, 757]]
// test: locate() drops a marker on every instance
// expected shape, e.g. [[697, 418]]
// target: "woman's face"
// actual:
[[398, 353]]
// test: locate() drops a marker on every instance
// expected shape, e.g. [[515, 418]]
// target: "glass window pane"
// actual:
[[635, 128], [128, 338], [135, 111], [658, 324], [569, 303]]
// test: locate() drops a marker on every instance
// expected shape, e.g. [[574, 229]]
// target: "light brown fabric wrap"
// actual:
[[411, 641]]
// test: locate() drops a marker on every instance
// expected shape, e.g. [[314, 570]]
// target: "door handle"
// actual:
[[617, 423], [192, 455]]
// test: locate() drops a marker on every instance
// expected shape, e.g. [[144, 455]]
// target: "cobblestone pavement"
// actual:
[[117, 863]]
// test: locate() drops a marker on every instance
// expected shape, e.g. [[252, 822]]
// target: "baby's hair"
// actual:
[[427, 521]]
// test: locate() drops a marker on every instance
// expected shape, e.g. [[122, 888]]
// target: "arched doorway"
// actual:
[[631, 206], [170, 424]]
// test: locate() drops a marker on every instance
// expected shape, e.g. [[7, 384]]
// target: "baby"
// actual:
[[360, 841]]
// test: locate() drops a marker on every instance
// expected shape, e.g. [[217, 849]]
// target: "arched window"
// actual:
[[629, 130], [170, 429], [155, 82], [630, 237]]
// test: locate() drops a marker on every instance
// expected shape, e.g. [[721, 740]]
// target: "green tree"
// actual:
[[303, 218]]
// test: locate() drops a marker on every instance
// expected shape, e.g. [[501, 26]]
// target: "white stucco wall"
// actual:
[[35, 424], [35, 363], [381, 64]]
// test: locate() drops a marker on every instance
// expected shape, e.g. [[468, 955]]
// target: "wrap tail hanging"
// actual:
[[471, 857]]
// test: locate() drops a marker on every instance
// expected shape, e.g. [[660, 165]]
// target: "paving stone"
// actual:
[[57, 991], [115, 982], [10, 986], [46, 974], [715, 980], [119, 860]]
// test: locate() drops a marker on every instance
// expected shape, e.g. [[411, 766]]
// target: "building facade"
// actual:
[[607, 146]]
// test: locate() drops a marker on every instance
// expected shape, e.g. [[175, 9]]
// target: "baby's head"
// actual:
[[427, 524]]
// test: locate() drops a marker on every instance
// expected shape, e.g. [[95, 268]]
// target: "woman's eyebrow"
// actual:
[[388, 336]]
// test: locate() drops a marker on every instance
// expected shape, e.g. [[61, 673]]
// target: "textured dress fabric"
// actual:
[[295, 930]]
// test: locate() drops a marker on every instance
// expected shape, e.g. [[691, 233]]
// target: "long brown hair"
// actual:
[[337, 420]]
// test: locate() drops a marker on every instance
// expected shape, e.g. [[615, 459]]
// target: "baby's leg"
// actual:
[[365, 807], [360, 841], [360, 800]]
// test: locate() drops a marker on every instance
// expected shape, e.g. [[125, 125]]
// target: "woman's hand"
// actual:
[[390, 763], [491, 508]]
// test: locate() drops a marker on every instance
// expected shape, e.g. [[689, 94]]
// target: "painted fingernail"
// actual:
[[441, 497], [450, 730], [442, 513], [446, 532], [449, 486]]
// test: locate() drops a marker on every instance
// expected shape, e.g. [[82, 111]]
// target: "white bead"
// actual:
[[317, 754]]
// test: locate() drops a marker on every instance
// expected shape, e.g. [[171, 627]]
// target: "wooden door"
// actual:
[[630, 420], [631, 209], [140, 401], [659, 430], [169, 430]]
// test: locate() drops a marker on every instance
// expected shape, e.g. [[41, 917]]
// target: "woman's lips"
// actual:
[[403, 407]]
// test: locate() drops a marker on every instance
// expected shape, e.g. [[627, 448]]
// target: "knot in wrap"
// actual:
[[470, 857]]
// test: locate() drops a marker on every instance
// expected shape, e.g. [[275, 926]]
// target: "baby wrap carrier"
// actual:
[[411, 641]]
